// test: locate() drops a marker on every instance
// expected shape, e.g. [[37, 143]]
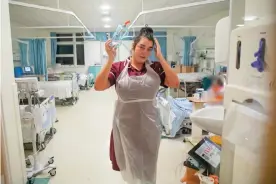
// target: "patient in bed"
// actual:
[[216, 92]]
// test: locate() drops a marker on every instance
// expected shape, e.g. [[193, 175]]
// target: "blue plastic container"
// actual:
[[18, 72]]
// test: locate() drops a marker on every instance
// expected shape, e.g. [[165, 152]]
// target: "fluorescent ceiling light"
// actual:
[[105, 7], [250, 18], [105, 12], [106, 19], [240, 25], [107, 26]]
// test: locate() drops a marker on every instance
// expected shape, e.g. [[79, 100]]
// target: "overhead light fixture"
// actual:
[[105, 7], [240, 25], [250, 18], [106, 13], [106, 19], [107, 26]]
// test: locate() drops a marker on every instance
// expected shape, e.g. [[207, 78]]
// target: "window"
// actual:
[[65, 60], [66, 39], [80, 54], [79, 39], [65, 49], [70, 49]]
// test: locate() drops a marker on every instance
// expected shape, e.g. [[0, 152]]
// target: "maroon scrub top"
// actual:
[[115, 71]]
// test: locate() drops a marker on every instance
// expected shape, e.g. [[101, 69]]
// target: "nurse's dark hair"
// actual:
[[146, 32]]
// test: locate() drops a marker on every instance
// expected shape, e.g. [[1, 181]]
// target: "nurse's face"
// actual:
[[143, 50]]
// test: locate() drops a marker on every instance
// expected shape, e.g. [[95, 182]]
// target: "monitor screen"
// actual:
[[27, 69]]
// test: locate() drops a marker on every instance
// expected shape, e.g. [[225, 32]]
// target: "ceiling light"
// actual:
[[106, 19], [107, 26], [250, 18], [105, 7], [106, 13], [240, 25]]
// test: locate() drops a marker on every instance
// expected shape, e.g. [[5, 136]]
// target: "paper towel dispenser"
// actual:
[[222, 39]]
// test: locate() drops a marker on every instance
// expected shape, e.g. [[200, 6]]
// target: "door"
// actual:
[[14, 161]]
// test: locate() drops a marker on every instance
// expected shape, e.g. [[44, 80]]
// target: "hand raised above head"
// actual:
[[157, 49], [111, 51]]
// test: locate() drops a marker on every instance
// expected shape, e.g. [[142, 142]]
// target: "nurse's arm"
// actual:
[[171, 79], [102, 83]]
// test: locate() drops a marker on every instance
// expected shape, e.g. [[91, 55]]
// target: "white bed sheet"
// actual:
[[82, 79], [173, 113], [60, 89], [192, 77]]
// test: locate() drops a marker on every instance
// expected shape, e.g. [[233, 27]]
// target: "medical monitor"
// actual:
[[27, 70]]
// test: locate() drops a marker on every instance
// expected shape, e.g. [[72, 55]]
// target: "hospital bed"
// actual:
[[174, 113], [188, 84], [43, 111], [64, 86], [85, 82], [44, 116]]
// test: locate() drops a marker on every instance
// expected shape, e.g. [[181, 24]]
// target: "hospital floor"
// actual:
[[81, 145]]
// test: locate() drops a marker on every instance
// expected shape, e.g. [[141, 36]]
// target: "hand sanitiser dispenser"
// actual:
[[245, 101]]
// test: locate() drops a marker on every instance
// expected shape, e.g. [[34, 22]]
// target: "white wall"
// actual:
[[237, 13], [260, 8], [29, 33], [10, 118], [205, 35], [90, 52], [23, 33]]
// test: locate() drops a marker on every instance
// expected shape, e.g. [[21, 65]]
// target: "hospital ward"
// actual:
[[138, 91]]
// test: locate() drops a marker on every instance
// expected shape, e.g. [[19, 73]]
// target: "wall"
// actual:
[[237, 13], [30, 33], [205, 35], [10, 122], [260, 8], [23, 33]]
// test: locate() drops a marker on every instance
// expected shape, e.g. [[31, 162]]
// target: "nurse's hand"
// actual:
[[111, 51], [157, 50]]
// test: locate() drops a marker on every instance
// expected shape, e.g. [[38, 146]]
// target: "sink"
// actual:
[[209, 119]]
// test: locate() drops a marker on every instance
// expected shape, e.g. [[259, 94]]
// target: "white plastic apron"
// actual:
[[135, 128]]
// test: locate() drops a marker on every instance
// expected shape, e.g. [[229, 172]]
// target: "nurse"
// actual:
[[135, 139]]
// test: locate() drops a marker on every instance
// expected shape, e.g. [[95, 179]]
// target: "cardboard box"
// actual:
[[188, 69], [183, 69]]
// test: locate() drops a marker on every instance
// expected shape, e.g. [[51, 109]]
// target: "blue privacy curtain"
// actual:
[[187, 61], [53, 48], [38, 56], [23, 54]]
